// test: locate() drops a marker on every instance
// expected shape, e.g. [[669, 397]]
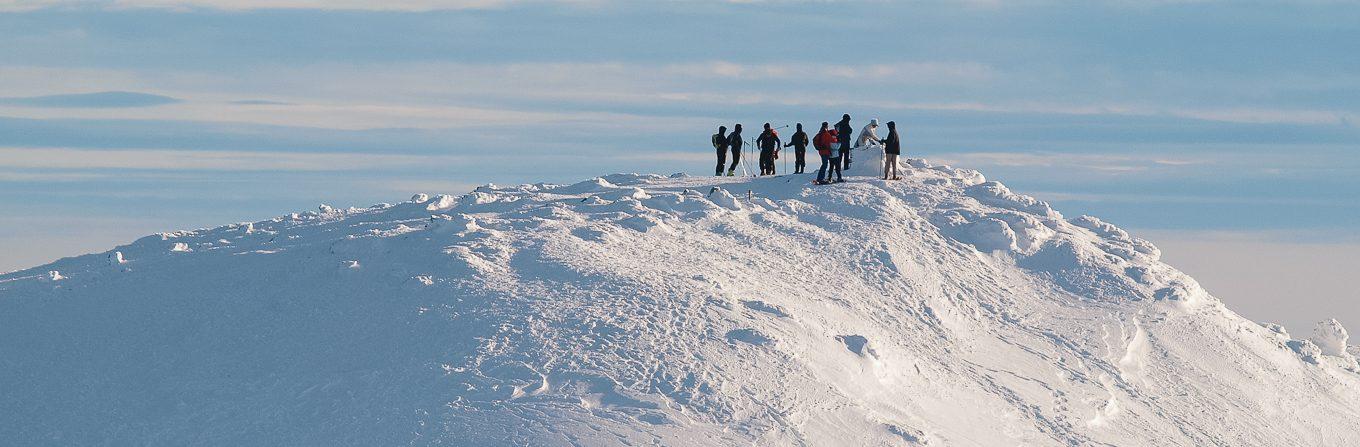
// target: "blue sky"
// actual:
[[1194, 121]]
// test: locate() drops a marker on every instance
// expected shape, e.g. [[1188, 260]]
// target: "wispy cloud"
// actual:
[[98, 100], [454, 95], [929, 71], [63, 158], [238, 5], [261, 102], [1110, 163], [359, 116], [1258, 115], [1188, 198]]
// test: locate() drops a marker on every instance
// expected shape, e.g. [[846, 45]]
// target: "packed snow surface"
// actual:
[[942, 309]]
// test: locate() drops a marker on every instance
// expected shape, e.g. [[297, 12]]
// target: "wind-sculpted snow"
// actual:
[[942, 309]]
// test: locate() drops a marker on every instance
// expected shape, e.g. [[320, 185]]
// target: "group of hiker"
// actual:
[[833, 144]]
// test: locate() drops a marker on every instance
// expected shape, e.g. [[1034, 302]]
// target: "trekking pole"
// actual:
[[745, 159], [746, 156], [786, 159]]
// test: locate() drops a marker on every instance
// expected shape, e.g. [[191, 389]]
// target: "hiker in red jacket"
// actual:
[[822, 142]]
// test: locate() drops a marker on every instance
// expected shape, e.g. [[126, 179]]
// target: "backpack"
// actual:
[[823, 141]]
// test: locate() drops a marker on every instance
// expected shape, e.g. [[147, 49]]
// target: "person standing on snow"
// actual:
[[799, 141], [768, 142], [843, 133], [734, 142], [822, 142], [892, 147], [869, 134], [720, 143]]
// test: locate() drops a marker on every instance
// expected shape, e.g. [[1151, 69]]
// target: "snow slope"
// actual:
[[942, 309]]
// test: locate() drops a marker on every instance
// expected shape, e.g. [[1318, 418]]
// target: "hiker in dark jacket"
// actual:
[[799, 141], [768, 142], [892, 147], [734, 142], [720, 143], [845, 133]]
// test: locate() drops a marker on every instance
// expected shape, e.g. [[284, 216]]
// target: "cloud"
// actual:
[[65, 158], [1107, 163], [914, 72], [261, 102], [670, 156], [1267, 116], [52, 177], [1145, 198], [361, 116], [97, 100], [237, 5], [440, 94]]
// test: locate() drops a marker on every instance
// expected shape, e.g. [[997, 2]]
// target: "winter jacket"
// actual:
[[720, 141], [892, 144], [823, 141], [799, 141], [734, 141], [868, 134], [843, 129], [768, 140]]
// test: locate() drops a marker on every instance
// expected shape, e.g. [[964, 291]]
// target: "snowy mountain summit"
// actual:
[[942, 309]]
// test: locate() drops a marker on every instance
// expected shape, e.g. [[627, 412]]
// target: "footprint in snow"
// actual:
[[761, 306], [748, 336], [858, 345], [589, 234]]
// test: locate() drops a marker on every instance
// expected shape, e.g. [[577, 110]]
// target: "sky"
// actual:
[[1226, 132]]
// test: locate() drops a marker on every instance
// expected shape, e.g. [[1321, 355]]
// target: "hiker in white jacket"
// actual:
[[868, 134]]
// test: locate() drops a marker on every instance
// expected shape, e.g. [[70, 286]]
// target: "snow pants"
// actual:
[[889, 164], [767, 162], [834, 163], [845, 152], [736, 158], [799, 163], [722, 160], [821, 172]]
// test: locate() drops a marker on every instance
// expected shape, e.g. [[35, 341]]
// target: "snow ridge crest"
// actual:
[[631, 309]]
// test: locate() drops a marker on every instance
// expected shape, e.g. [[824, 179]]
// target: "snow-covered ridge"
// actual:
[[942, 309]]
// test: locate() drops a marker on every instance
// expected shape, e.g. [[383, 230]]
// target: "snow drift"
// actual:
[[942, 309]]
